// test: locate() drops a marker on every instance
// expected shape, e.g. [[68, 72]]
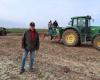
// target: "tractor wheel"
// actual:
[[70, 37], [96, 42]]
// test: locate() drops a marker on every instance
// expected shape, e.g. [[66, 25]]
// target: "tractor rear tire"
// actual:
[[71, 38], [96, 42]]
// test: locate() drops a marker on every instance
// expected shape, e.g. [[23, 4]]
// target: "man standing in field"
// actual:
[[30, 43]]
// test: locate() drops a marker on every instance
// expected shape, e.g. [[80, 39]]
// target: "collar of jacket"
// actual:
[[31, 30]]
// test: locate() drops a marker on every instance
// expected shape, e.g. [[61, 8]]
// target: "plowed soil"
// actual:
[[54, 61]]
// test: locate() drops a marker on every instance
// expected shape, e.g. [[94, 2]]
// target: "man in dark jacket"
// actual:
[[55, 24], [30, 43]]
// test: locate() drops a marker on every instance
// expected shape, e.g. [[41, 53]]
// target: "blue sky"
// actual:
[[18, 13]]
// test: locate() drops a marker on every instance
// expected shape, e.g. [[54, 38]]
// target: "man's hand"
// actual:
[[19, 52]]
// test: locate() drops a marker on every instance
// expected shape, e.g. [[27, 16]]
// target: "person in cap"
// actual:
[[30, 43], [50, 27]]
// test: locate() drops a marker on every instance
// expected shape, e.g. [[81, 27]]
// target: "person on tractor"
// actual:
[[55, 32], [50, 30], [50, 27], [50, 24], [55, 27], [55, 24]]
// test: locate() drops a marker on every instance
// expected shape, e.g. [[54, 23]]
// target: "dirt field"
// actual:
[[53, 61]]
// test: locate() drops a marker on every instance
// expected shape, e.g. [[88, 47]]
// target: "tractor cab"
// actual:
[[82, 25]]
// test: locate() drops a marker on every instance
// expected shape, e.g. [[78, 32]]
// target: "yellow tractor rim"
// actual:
[[70, 38], [98, 43]]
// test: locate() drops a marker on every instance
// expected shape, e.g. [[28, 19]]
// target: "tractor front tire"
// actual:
[[70, 38], [96, 42]]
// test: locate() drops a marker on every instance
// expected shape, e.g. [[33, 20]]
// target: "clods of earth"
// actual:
[[54, 61]]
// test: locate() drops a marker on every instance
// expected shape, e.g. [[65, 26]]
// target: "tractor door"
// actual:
[[84, 29]]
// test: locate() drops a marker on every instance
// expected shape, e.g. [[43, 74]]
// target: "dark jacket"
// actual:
[[55, 24], [27, 43]]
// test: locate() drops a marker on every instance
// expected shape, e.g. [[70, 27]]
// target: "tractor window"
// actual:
[[74, 22], [89, 23], [81, 22]]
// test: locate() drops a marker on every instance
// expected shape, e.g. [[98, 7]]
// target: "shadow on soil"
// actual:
[[88, 45]]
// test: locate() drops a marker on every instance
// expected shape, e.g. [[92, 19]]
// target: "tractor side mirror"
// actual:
[[92, 20]]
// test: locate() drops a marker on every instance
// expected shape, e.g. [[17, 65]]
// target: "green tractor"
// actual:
[[3, 31], [80, 31]]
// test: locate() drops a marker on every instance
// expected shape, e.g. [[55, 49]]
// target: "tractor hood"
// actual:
[[95, 30]]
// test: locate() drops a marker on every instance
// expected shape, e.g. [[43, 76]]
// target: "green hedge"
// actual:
[[14, 30]]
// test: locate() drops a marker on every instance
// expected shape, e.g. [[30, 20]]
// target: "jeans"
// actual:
[[24, 56]]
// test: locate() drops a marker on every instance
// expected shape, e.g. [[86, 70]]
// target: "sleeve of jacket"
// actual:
[[23, 40], [37, 42]]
